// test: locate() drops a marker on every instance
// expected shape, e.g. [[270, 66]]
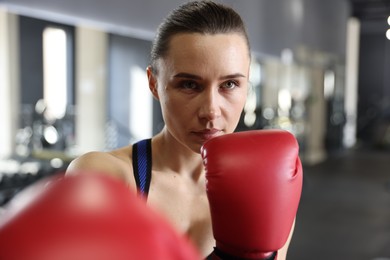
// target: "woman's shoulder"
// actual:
[[116, 163], [99, 158]]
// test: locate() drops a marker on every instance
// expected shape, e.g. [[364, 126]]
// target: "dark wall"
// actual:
[[374, 83], [31, 58], [124, 53]]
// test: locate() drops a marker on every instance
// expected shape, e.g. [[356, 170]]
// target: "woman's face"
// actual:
[[202, 85]]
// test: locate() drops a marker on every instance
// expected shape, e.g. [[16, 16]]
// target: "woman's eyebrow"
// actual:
[[187, 76], [193, 76], [232, 76]]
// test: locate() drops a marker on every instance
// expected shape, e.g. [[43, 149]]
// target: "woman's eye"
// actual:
[[229, 84], [189, 85]]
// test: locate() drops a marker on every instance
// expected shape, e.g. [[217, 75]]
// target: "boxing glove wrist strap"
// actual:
[[225, 256]]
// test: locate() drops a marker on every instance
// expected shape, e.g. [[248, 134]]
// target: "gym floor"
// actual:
[[344, 213]]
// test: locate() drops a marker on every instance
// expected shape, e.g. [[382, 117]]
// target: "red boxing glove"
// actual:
[[89, 217], [254, 184]]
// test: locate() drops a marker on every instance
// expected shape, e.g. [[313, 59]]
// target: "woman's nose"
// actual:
[[210, 105]]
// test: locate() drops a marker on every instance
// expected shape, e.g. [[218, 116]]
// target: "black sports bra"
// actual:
[[142, 165]]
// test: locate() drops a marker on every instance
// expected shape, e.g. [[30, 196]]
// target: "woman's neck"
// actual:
[[170, 155]]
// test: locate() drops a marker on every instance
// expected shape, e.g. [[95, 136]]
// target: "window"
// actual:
[[55, 71]]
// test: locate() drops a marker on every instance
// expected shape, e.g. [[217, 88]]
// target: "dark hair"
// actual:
[[205, 17]]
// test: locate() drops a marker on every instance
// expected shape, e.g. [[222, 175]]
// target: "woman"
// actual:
[[199, 73]]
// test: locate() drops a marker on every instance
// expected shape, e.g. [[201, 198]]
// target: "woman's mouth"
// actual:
[[207, 134]]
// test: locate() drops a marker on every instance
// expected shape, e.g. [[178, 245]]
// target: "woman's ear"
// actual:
[[152, 79]]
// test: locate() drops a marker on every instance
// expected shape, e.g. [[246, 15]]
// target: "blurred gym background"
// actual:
[[72, 80]]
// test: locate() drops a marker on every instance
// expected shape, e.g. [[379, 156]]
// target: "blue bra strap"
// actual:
[[142, 165]]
